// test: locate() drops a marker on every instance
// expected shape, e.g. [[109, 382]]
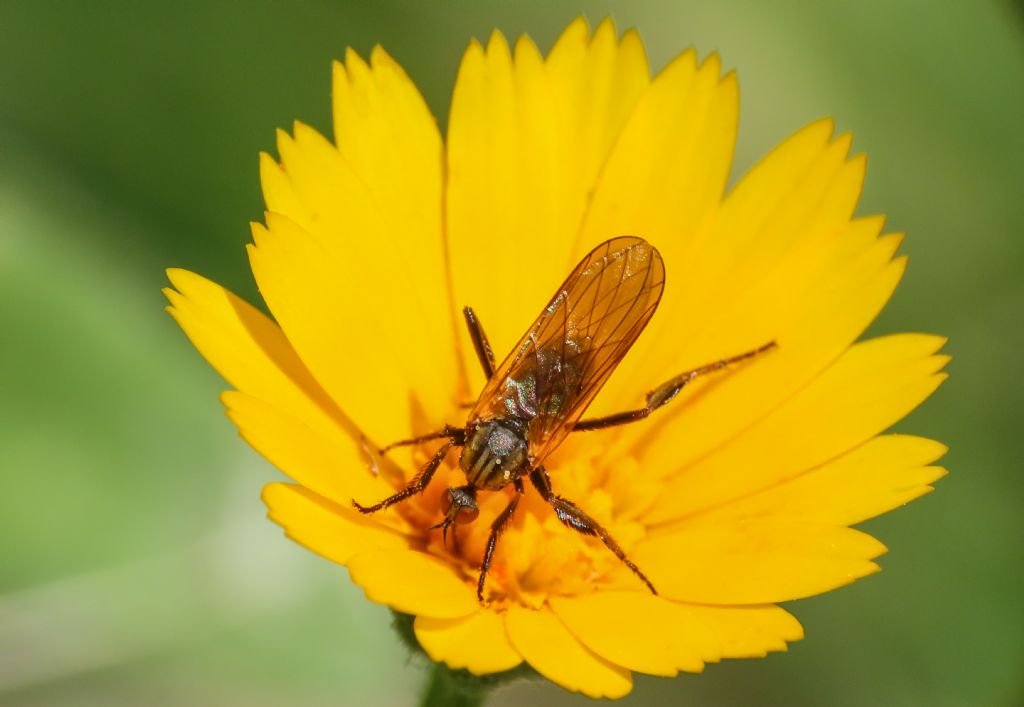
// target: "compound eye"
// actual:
[[466, 514]]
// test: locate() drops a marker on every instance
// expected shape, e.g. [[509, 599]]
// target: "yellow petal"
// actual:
[[279, 193], [663, 180], [333, 467], [810, 333], [508, 222], [413, 582], [382, 247], [803, 189], [385, 131], [876, 477], [331, 531], [668, 168], [548, 646], [353, 334], [786, 266], [250, 352], [597, 82], [755, 562], [476, 642], [747, 631], [870, 387], [528, 132], [639, 631]]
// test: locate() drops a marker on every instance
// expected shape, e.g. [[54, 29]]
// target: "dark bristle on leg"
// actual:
[[666, 391], [456, 434], [573, 517], [456, 548]]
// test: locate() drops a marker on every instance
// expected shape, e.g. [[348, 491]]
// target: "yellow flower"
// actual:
[[734, 497]]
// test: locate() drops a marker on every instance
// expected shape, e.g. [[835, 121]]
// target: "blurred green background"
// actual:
[[137, 566]]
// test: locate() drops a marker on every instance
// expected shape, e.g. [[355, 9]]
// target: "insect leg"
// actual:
[[573, 517], [455, 540], [453, 433], [497, 528], [480, 343], [665, 392], [418, 483]]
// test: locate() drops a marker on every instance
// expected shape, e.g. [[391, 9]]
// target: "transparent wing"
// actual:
[[560, 364]]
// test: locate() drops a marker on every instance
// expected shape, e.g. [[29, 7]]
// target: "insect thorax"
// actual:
[[495, 453]]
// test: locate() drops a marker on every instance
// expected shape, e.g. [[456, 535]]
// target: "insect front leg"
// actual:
[[573, 517], [665, 392], [497, 528], [484, 353], [414, 487]]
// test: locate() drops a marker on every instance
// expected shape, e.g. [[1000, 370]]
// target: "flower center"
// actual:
[[537, 556]]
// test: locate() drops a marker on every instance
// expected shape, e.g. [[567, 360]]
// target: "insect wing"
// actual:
[[563, 360]]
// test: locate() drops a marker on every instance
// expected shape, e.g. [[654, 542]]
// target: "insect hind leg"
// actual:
[[666, 392], [572, 516]]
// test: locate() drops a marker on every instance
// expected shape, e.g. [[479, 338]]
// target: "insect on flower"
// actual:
[[538, 395]]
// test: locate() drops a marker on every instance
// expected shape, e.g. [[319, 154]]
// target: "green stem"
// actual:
[[445, 689]]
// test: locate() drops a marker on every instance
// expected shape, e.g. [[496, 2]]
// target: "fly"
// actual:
[[538, 395]]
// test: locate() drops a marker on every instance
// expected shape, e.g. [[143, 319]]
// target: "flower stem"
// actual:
[[445, 689]]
